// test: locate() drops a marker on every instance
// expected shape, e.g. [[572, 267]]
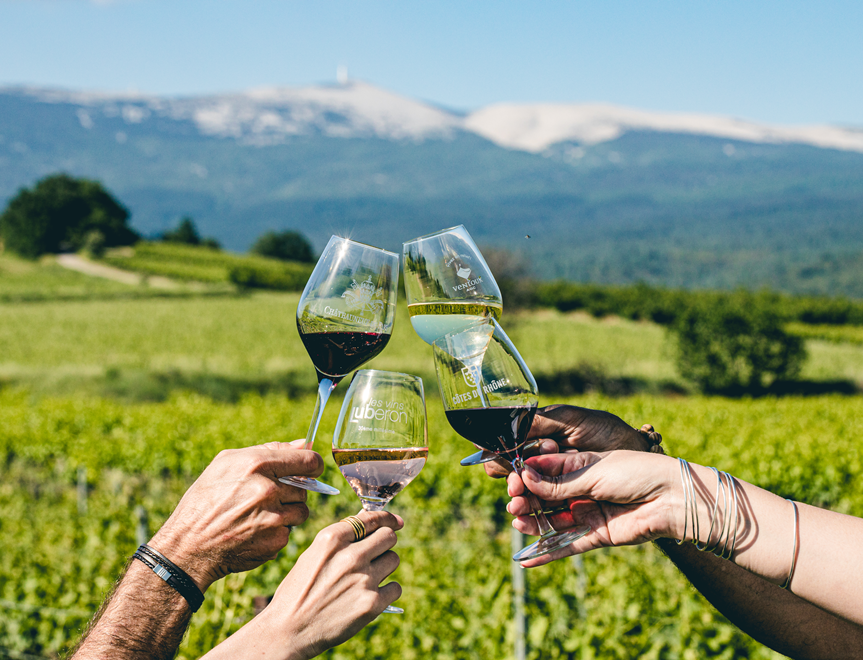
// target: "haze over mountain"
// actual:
[[604, 192]]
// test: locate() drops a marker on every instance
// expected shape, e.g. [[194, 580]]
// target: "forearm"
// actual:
[[773, 616], [826, 571], [144, 618]]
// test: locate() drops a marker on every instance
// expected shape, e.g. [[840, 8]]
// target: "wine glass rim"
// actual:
[[436, 233], [365, 245], [389, 373]]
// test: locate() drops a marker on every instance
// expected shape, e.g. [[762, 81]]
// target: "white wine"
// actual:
[[378, 475], [434, 320]]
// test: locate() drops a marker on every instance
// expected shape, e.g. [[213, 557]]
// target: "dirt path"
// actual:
[[78, 263]]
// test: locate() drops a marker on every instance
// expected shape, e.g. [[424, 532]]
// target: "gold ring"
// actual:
[[358, 526]]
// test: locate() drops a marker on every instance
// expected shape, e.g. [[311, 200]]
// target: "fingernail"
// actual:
[[533, 474], [298, 444]]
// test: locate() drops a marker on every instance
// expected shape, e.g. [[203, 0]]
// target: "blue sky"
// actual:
[[782, 62]]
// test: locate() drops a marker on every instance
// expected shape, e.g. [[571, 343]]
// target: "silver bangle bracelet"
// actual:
[[787, 583]]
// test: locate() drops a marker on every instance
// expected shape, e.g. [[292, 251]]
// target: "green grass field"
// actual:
[[115, 387]]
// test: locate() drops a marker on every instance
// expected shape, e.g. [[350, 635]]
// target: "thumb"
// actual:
[[290, 460], [556, 477]]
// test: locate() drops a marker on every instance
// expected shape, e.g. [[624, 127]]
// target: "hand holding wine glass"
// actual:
[[490, 398], [381, 440], [345, 318]]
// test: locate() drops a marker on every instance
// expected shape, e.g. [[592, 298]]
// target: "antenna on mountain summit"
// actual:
[[342, 74]]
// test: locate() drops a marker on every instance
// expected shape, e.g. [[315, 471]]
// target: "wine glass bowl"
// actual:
[[490, 398], [381, 438], [448, 284], [345, 318]]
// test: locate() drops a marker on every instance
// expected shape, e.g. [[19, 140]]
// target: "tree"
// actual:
[[58, 214], [187, 233], [286, 245], [735, 344]]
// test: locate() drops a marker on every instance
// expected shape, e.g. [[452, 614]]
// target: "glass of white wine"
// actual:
[[449, 287], [381, 439]]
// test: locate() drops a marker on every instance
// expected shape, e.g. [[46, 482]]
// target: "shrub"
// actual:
[[284, 277], [285, 246], [59, 213], [735, 344]]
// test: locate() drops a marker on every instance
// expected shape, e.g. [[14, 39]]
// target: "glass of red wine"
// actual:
[[345, 318], [381, 439], [490, 398]]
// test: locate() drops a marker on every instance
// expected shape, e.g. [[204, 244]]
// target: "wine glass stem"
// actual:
[[325, 388], [541, 520]]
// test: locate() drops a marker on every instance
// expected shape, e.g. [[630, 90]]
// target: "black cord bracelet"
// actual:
[[175, 576]]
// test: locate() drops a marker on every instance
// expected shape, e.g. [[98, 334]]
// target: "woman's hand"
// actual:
[[330, 594], [562, 428], [625, 497]]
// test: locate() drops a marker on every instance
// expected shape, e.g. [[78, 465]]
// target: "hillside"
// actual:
[[605, 194]]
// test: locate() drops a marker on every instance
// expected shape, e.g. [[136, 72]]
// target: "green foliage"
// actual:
[[290, 276], [286, 246], [663, 306], [455, 568], [59, 213], [202, 264], [735, 344]]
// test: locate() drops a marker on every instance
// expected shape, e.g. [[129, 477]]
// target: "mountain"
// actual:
[[605, 193]]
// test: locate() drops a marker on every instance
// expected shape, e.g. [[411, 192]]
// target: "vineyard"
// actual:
[[113, 406]]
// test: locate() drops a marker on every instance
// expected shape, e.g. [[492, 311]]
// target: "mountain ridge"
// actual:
[[631, 203]]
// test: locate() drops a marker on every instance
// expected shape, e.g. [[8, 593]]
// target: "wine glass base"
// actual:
[[478, 458], [389, 609], [307, 483], [550, 543]]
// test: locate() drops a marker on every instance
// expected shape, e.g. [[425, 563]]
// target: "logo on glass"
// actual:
[[364, 297], [470, 376], [463, 272]]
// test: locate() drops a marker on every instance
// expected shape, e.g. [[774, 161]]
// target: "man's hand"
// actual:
[[237, 515], [563, 428]]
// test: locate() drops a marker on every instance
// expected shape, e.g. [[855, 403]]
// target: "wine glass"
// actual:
[[345, 318], [490, 398], [449, 286], [381, 440]]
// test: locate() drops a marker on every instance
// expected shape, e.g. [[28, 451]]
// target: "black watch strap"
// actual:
[[175, 576]]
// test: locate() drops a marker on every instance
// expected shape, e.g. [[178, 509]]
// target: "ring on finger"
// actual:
[[358, 526]]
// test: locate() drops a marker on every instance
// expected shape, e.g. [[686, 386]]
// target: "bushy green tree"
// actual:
[[187, 234], [286, 245], [735, 344], [58, 214]]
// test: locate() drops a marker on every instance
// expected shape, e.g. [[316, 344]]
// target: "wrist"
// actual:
[[185, 555]]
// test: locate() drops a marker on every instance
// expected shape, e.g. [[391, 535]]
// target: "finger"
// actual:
[[549, 421], [377, 543], [287, 461], [557, 477], [526, 525], [586, 543], [549, 447], [293, 514], [514, 485], [384, 566], [388, 594], [498, 468], [291, 494], [372, 520]]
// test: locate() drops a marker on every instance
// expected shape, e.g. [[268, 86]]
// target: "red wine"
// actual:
[[501, 430], [336, 354]]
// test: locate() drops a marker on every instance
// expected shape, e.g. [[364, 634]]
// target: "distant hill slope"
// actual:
[[607, 194]]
